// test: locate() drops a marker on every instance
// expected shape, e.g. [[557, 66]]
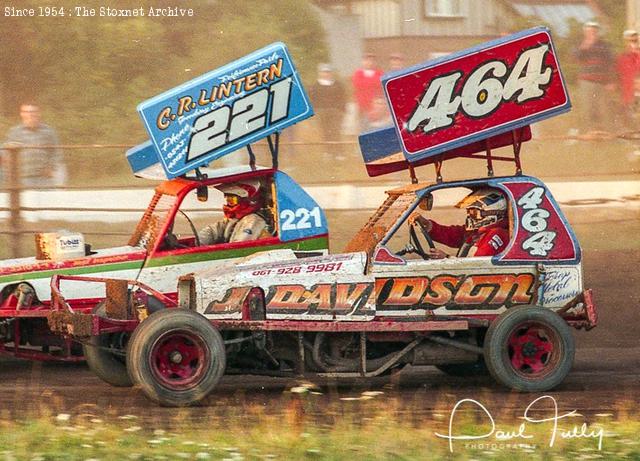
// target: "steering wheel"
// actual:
[[172, 241], [414, 245], [425, 234]]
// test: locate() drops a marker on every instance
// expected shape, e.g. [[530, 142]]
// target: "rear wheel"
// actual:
[[111, 367], [529, 348], [176, 356]]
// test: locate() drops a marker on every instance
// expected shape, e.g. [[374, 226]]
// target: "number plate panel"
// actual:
[[540, 232], [225, 110], [299, 215], [477, 93]]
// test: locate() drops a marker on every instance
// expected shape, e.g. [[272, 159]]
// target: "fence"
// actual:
[[331, 171], [16, 191]]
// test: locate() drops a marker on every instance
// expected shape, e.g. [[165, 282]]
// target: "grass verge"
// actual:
[[368, 427]]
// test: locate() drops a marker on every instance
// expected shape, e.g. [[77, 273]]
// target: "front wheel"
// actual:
[[176, 356], [109, 366], [529, 348]]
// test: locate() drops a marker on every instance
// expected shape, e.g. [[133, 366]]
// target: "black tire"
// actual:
[[109, 367], [176, 356], [478, 368], [529, 349]]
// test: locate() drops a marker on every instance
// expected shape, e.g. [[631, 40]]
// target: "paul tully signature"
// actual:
[[549, 415]]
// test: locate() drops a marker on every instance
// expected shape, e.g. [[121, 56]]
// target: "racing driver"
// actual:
[[243, 219], [486, 230]]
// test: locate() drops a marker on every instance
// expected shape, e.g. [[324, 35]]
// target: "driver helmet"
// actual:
[[241, 198], [485, 207]]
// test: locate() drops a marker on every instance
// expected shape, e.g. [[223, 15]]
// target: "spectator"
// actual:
[[39, 167], [628, 67], [396, 62], [594, 78], [328, 98], [379, 116], [366, 87]]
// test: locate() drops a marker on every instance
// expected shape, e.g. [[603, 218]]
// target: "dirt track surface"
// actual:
[[605, 377]]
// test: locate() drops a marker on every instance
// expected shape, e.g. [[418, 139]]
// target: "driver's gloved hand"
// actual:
[[413, 218], [436, 253], [416, 217]]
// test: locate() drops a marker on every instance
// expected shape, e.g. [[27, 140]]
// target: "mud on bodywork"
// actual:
[[66, 323], [318, 288]]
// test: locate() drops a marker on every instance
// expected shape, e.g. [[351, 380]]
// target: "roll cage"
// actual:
[[159, 216], [402, 202]]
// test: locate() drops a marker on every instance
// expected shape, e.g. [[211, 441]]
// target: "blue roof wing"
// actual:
[[220, 112]]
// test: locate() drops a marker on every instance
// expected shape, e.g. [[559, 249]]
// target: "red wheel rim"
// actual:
[[179, 359], [534, 350]]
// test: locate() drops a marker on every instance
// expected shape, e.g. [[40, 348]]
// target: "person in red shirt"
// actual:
[[485, 232], [366, 88], [628, 67]]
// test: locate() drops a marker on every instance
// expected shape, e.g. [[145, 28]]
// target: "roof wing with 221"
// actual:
[[468, 102], [219, 113]]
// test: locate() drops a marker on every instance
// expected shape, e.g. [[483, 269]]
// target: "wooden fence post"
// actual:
[[15, 218]]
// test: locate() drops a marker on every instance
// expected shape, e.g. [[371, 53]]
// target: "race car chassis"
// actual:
[[580, 313], [14, 323]]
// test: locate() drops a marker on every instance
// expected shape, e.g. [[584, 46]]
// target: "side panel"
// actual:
[[120, 262], [42, 283], [454, 286], [299, 216], [160, 272], [326, 288], [541, 232], [559, 285]]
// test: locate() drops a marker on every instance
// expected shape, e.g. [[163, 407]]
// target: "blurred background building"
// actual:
[[88, 74], [633, 14], [424, 29]]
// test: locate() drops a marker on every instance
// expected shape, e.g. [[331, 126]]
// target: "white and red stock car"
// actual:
[[165, 243], [382, 303]]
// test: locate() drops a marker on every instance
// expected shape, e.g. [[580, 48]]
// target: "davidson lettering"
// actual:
[[336, 298], [454, 292]]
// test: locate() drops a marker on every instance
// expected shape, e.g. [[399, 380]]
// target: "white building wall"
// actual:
[[379, 18], [633, 14], [393, 18]]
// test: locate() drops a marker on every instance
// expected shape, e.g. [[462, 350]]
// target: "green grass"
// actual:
[[305, 427]]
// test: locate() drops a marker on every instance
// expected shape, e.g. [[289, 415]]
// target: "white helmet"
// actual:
[[484, 207], [247, 188], [242, 198]]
